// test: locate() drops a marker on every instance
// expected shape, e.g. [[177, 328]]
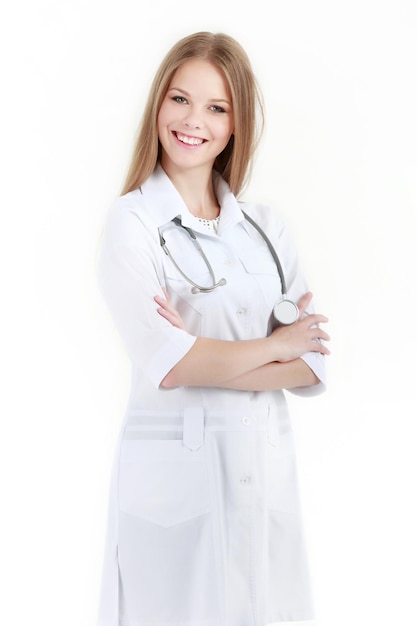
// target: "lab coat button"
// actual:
[[245, 480], [246, 420], [241, 311]]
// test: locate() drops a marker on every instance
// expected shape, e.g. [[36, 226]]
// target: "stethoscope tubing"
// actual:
[[272, 251], [196, 288], [289, 310]]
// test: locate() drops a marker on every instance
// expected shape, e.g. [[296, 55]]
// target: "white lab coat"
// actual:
[[204, 521]]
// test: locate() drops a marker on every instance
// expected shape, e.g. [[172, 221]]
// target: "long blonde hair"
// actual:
[[235, 162]]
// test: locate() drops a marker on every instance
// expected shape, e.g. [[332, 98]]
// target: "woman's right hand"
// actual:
[[291, 342], [167, 310]]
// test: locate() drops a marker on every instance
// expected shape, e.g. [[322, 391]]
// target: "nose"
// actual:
[[192, 119]]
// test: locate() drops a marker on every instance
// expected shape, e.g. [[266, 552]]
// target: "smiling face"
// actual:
[[195, 121]]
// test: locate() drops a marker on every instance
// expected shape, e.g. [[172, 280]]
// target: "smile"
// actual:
[[190, 141]]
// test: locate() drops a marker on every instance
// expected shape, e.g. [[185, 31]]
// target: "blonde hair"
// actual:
[[235, 162]]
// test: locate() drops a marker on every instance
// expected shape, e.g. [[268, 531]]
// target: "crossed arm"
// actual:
[[267, 363]]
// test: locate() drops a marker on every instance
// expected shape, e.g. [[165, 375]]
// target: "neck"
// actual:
[[196, 189]]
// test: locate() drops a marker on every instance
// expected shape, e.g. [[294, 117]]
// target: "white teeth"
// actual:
[[191, 141]]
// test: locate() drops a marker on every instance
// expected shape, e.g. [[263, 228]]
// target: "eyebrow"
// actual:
[[188, 95]]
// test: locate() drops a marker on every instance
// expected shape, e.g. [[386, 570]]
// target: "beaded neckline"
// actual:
[[210, 224]]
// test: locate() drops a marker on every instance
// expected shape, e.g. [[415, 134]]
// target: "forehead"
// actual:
[[199, 73]]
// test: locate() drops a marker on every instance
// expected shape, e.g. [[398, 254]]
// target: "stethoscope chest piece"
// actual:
[[286, 312]]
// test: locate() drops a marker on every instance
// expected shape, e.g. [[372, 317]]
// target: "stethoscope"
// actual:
[[285, 311]]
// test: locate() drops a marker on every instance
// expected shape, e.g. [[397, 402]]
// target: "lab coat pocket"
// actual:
[[180, 285], [258, 262], [282, 481], [162, 481]]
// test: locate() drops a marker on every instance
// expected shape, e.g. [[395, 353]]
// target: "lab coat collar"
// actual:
[[164, 202]]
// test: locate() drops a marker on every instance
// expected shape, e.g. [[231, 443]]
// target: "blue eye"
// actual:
[[179, 99], [217, 109]]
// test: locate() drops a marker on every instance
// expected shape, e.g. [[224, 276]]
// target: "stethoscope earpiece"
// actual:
[[197, 289]]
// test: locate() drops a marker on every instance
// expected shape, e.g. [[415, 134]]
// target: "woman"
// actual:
[[205, 525]]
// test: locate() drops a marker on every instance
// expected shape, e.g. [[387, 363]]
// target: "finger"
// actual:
[[166, 304], [318, 333], [317, 346], [303, 302], [323, 349], [160, 299], [165, 314], [170, 317], [313, 319]]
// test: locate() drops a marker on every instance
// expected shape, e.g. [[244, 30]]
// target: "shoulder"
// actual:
[[130, 204], [127, 218], [274, 227], [265, 216]]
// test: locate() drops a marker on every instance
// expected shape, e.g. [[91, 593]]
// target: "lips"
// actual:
[[189, 141]]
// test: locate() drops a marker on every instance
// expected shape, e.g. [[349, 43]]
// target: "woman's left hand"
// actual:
[[167, 310]]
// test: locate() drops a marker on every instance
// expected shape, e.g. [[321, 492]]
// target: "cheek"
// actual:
[[160, 122], [225, 133], [163, 118], [225, 130], [162, 129]]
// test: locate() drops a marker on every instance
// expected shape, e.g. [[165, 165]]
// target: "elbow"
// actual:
[[178, 377], [306, 376], [311, 380], [170, 381]]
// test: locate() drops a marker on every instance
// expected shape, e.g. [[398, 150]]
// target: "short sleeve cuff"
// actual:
[[174, 344], [315, 361]]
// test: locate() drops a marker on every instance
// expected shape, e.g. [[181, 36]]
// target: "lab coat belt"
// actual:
[[195, 423], [192, 422], [193, 427]]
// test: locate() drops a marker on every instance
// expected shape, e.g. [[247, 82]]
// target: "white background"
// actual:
[[338, 162]]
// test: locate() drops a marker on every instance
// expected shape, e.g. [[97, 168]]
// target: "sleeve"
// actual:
[[296, 287], [129, 274]]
